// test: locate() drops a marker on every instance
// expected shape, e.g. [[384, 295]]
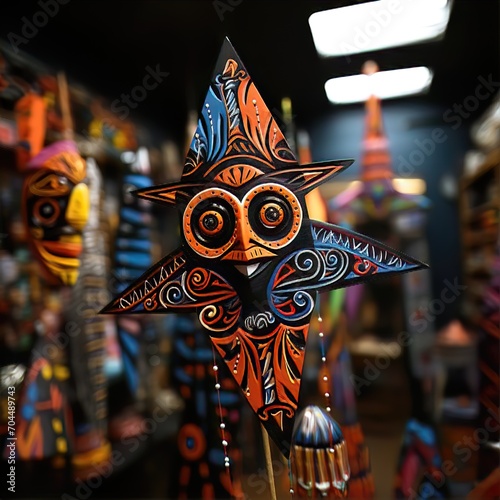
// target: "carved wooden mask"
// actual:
[[56, 207]]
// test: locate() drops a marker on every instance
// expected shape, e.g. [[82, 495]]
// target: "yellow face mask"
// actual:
[[56, 208]]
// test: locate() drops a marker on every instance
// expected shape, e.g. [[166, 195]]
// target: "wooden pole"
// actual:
[[269, 463], [65, 106]]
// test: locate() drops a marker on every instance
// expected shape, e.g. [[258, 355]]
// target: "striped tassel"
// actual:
[[319, 462]]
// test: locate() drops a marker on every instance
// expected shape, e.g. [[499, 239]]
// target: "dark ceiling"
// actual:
[[107, 45]]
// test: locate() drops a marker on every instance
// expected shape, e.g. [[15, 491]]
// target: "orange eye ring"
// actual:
[[39, 207], [211, 223], [295, 211], [192, 228], [271, 215]]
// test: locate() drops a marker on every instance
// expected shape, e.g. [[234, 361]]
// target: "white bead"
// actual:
[[323, 359], [224, 442], [291, 491], [215, 368], [327, 394], [226, 459], [320, 319], [227, 464], [331, 450], [325, 378], [321, 334], [328, 409], [222, 426], [217, 386]]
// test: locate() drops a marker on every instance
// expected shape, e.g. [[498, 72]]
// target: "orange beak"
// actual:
[[78, 209], [244, 250]]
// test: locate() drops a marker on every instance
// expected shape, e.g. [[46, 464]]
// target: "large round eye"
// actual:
[[46, 211], [270, 215], [209, 222], [274, 215], [212, 223]]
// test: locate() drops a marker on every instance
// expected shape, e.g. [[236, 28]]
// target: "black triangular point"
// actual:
[[227, 51]]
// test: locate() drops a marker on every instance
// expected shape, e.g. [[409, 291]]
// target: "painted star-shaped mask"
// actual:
[[251, 261]]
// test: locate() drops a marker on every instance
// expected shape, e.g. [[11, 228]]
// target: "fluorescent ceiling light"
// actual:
[[383, 84], [378, 25]]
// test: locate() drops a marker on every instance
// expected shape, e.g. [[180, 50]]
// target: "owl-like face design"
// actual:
[[242, 234], [251, 261], [56, 209], [246, 228]]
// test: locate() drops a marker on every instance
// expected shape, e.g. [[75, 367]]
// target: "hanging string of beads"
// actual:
[[324, 366], [222, 425]]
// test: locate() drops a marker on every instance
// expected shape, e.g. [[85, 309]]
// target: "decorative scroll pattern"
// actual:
[[268, 369], [305, 270], [146, 288], [200, 288], [371, 256]]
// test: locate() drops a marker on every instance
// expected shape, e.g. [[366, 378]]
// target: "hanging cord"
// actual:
[[222, 425], [325, 365]]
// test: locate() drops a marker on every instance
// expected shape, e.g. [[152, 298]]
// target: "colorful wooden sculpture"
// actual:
[[56, 209], [132, 258], [376, 197], [56, 206], [114, 134], [420, 467], [251, 260], [44, 421], [88, 347]]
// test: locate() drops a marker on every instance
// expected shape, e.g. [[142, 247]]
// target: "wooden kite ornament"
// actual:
[[250, 260]]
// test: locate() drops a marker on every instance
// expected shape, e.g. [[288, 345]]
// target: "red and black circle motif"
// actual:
[[192, 442]]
